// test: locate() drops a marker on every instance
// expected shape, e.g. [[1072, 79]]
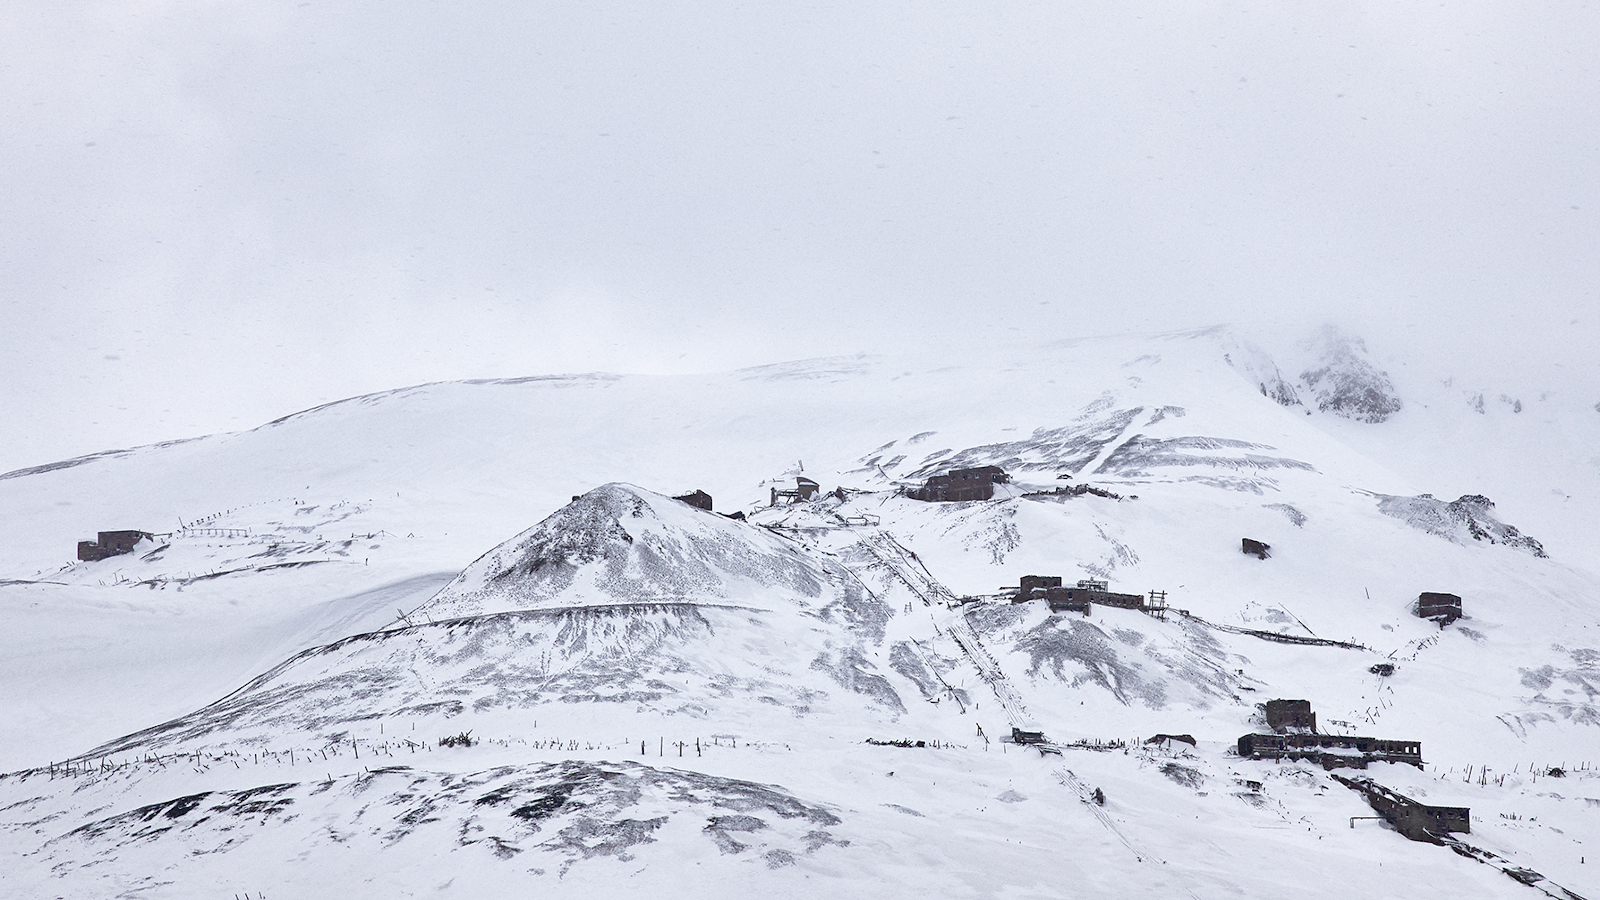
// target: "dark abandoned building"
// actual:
[[111, 543], [960, 484], [1255, 548], [697, 499], [1416, 821], [1076, 598], [1441, 608], [1042, 582], [1027, 737], [1331, 751], [1284, 716], [1065, 599]]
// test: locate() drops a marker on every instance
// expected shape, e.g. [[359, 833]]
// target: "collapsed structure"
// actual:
[[804, 490], [1331, 751], [1295, 738], [1417, 821], [111, 543]]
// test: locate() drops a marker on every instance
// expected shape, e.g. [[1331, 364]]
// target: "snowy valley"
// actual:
[[460, 639]]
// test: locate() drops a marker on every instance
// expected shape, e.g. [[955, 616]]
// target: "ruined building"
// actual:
[[1331, 751], [1076, 598], [1031, 583], [804, 489], [1416, 821], [1284, 716], [960, 484], [111, 543], [1295, 738]]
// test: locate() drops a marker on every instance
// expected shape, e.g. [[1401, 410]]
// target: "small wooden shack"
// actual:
[[1255, 548]]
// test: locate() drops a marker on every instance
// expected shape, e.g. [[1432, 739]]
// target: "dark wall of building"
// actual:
[[1029, 582], [1415, 820], [1443, 607], [1066, 599], [1285, 714], [111, 543], [961, 484], [1313, 748]]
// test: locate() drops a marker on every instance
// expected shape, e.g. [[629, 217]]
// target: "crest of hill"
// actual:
[[621, 544]]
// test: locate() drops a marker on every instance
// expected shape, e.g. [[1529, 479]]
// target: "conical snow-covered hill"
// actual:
[[621, 544], [663, 700]]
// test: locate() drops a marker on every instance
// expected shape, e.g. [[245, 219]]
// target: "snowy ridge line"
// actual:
[[93, 457], [124, 743], [1272, 635]]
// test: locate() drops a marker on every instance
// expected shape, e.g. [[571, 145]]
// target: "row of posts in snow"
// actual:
[[202, 761], [1534, 772]]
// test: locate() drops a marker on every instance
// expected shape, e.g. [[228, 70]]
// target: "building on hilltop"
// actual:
[[1441, 608], [1290, 715], [960, 484], [111, 543], [697, 499], [1076, 598], [1031, 583]]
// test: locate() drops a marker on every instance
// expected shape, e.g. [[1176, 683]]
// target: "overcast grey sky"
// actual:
[[220, 212]]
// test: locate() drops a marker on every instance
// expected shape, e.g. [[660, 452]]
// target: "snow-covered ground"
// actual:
[[665, 701]]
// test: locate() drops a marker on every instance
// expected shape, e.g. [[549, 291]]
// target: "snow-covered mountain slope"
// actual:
[[675, 699], [620, 601]]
